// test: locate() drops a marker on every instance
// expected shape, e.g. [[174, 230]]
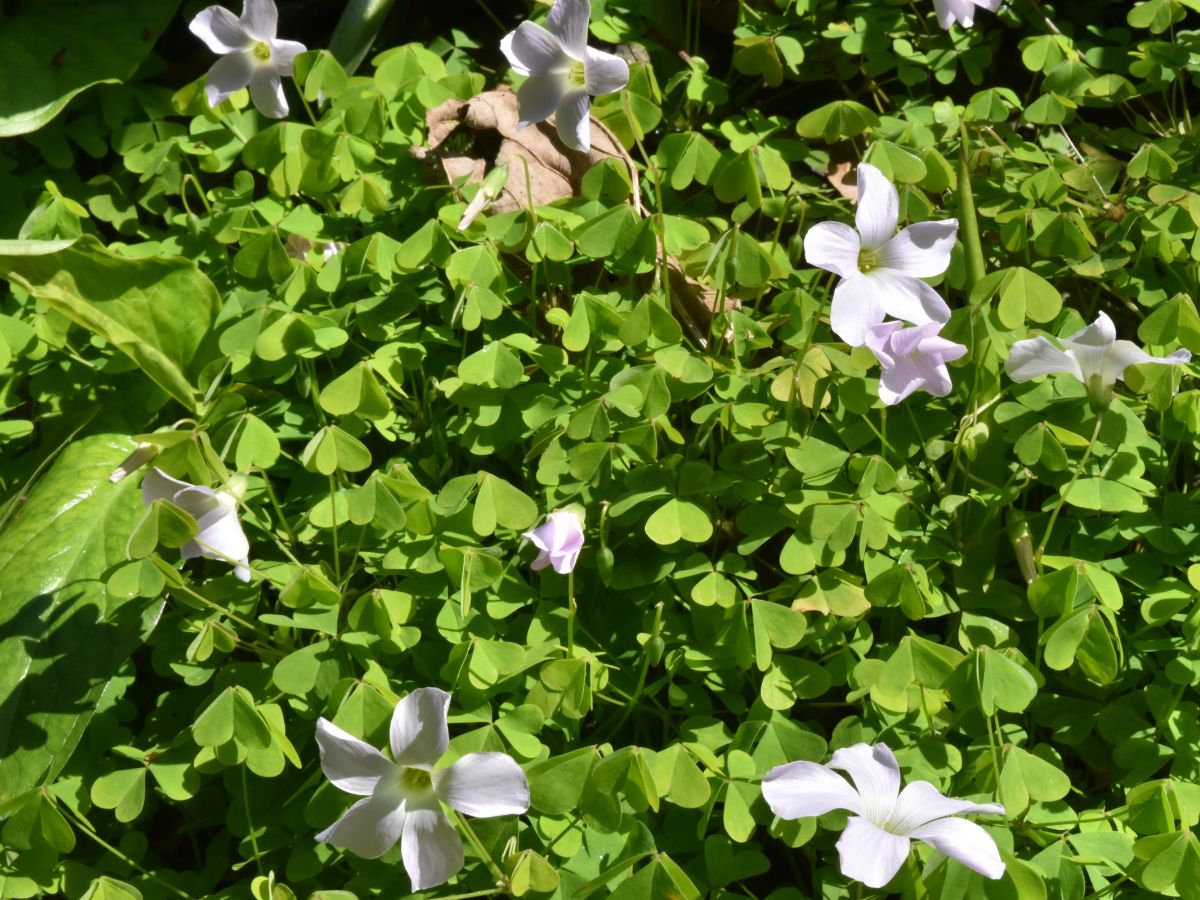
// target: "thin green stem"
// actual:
[[250, 823], [1062, 495], [966, 213], [501, 878], [571, 614], [337, 550]]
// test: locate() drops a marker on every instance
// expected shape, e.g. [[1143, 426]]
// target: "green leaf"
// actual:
[[836, 121], [356, 390], [53, 607], [51, 51], [332, 449], [105, 888], [495, 365], [896, 162], [499, 503], [157, 310], [123, 791], [1025, 293], [678, 520], [556, 784], [1026, 777], [214, 726], [1104, 495]]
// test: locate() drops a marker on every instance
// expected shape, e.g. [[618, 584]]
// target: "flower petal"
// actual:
[[228, 75], [921, 250], [568, 20], [484, 785], [802, 788], [283, 55], [604, 73], [1100, 333], [920, 802], [532, 50], [220, 30], [833, 247], [876, 774], [869, 854], [878, 207], [538, 97], [573, 121], [964, 841], [260, 19], [419, 735], [431, 848], [221, 537], [1037, 356], [900, 380], [352, 765], [369, 828], [1126, 353], [879, 341], [266, 90], [855, 310], [908, 298], [158, 485]]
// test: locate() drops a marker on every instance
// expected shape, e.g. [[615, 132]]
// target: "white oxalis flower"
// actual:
[[881, 270], [559, 540], [1092, 354], [563, 72], [961, 11], [403, 797], [876, 840], [220, 534], [250, 54], [912, 359]]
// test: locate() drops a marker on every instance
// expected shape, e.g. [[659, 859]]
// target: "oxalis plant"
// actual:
[[639, 449]]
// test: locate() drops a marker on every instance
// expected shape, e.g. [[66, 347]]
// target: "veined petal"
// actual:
[[419, 735], [573, 121], [260, 18], [855, 310], [877, 209], [199, 502], [966, 842], [869, 854], [802, 788], [431, 848], [908, 298], [876, 774], [228, 75], [369, 828], [945, 350], [833, 247], [283, 54], [483, 785], [158, 485], [603, 73], [1100, 333], [920, 802], [951, 11], [900, 380], [568, 21], [220, 30], [352, 765], [532, 50], [921, 250], [1126, 353], [221, 537], [266, 91], [538, 97], [1037, 356], [879, 341]]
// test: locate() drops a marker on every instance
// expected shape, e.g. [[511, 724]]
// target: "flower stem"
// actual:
[[501, 878], [966, 212], [571, 614], [1062, 495]]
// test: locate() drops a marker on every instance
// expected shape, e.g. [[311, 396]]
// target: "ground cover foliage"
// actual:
[[1000, 584]]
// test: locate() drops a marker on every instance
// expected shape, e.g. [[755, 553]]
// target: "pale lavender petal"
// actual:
[[220, 534], [419, 735], [228, 75], [1037, 356], [283, 55], [946, 350], [532, 50], [921, 250], [907, 298], [538, 97], [870, 854], [802, 788], [484, 785], [879, 341], [604, 73], [1100, 333], [568, 21], [920, 803], [369, 828], [220, 30], [573, 121], [431, 848], [878, 207], [855, 310], [833, 247], [260, 18], [266, 90], [966, 842], [506, 47], [876, 774], [1126, 353], [900, 380], [158, 485], [350, 764]]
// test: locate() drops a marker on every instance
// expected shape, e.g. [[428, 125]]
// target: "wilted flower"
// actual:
[[881, 270], [403, 797], [876, 840], [220, 534], [558, 540], [1092, 354], [961, 11], [563, 72], [250, 54], [912, 359]]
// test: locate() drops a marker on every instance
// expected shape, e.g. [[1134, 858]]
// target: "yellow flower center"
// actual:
[[261, 50], [576, 75], [415, 779], [868, 259]]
